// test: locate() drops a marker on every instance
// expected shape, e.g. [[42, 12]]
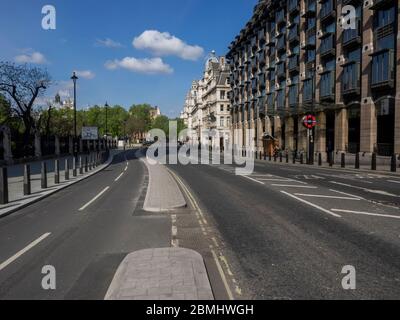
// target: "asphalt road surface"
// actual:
[[83, 231], [289, 230]]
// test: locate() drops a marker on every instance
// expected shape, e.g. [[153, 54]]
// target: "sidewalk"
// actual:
[[161, 274], [17, 200]]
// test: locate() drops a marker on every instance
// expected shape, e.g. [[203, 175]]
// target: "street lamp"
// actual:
[[106, 106], [74, 78]]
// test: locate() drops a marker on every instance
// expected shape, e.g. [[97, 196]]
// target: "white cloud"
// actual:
[[109, 43], [85, 74], [149, 66], [33, 57], [165, 44]]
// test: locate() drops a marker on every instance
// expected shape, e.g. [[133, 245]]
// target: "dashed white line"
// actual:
[[311, 204], [119, 177], [24, 250], [94, 199], [325, 196], [293, 186], [394, 181], [247, 177], [367, 213], [347, 194]]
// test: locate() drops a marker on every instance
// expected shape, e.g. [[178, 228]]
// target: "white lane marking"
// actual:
[[94, 199], [24, 250], [312, 204], [347, 194], [275, 179], [367, 213], [293, 186], [324, 196], [381, 192], [119, 177], [394, 181], [247, 177]]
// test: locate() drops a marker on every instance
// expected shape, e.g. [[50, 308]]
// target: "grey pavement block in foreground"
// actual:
[[161, 274], [163, 193]]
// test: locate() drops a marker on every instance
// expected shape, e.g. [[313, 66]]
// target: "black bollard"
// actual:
[[66, 169], [287, 157], [74, 173], [43, 181], [301, 158], [3, 186], [270, 156], [331, 159], [294, 158], [357, 162], [57, 171], [86, 164], [27, 180], [373, 161], [320, 159], [393, 163], [80, 165], [280, 157], [343, 160], [275, 157]]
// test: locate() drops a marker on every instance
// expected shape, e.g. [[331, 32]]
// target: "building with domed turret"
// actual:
[[207, 106]]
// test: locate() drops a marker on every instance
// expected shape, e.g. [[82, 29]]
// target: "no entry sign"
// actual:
[[309, 121]]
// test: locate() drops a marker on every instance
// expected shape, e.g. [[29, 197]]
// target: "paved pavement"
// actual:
[[163, 192], [287, 231], [161, 274]]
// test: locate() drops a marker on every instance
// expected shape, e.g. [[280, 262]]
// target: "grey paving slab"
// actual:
[[163, 193], [161, 274]]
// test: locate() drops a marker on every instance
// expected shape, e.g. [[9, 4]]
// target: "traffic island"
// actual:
[[161, 274]]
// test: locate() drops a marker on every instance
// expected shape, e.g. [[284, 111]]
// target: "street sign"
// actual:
[[90, 133], [310, 121]]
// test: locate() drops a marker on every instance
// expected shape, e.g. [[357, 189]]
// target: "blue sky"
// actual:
[[94, 37]]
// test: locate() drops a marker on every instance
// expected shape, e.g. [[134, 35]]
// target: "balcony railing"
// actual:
[[293, 6], [280, 16], [352, 36], [328, 45], [308, 90], [327, 9], [280, 70], [293, 33], [310, 9], [281, 43], [293, 95], [351, 78], [293, 64], [381, 4], [383, 69], [327, 86]]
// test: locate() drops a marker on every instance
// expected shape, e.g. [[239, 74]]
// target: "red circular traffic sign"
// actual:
[[309, 121]]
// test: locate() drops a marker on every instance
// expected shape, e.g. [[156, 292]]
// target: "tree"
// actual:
[[23, 85], [139, 121]]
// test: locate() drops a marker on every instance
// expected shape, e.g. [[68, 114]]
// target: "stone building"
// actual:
[[207, 106], [296, 57]]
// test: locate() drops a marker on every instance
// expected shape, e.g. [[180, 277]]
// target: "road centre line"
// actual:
[[311, 204], [24, 250], [367, 213], [94, 199], [119, 177], [324, 196], [394, 181]]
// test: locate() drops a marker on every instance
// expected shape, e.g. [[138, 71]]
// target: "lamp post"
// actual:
[[74, 78], [106, 106]]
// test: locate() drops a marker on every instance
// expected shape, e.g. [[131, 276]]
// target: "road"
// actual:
[[289, 230], [83, 231], [284, 232]]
